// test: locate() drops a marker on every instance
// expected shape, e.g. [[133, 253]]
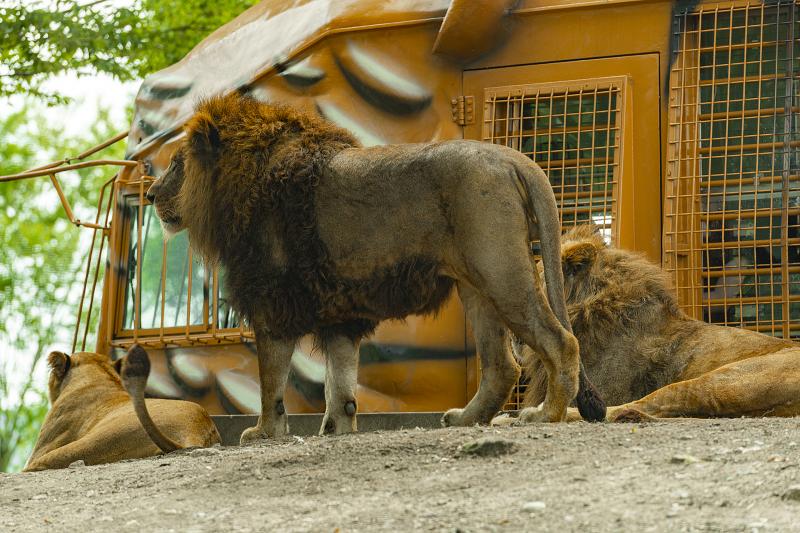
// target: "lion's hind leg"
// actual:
[[526, 312], [767, 385], [499, 370]]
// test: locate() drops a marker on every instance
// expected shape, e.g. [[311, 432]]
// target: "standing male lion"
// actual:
[[648, 359], [317, 235]]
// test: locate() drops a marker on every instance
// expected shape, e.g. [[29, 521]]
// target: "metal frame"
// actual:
[[733, 140], [505, 122]]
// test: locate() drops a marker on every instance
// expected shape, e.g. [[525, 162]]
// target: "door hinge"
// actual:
[[463, 109]]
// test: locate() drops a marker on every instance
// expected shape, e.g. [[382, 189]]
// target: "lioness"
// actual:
[[318, 235], [648, 359], [94, 419]]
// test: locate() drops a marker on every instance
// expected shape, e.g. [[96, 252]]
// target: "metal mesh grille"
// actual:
[[169, 296], [573, 131], [732, 210]]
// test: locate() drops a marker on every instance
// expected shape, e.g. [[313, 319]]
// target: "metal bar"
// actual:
[[741, 79], [731, 272], [737, 215], [744, 300], [88, 265], [750, 146], [755, 243], [76, 166], [103, 237], [163, 286], [105, 144], [788, 128], [760, 112], [68, 209], [137, 310], [189, 293]]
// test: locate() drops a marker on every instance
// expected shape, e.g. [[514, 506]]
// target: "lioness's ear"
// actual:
[[59, 363], [118, 365], [578, 256], [202, 136]]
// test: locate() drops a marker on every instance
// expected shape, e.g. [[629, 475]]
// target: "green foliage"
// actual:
[[41, 256], [174, 27], [41, 262], [54, 37]]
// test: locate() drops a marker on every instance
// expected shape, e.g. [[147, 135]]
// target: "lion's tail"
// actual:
[[135, 370], [543, 213]]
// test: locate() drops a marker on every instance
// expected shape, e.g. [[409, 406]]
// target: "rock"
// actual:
[[683, 459], [77, 464], [202, 452], [792, 493], [534, 506], [488, 447]]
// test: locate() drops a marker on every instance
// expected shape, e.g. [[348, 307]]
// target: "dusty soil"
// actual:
[[721, 475]]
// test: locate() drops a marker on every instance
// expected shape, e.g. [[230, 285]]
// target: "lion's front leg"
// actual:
[[274, 359], [341, 377]]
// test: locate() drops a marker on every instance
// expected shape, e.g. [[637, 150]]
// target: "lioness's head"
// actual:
[[78, 370], [163, 194]]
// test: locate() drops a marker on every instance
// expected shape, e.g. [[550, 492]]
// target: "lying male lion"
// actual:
[[93, 419], [319, 236], [648, 359]]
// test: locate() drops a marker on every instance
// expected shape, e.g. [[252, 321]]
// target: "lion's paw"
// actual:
[[338, 426], [632, 416], [252, 436], [532, 415], [453, 417], [280, 428]]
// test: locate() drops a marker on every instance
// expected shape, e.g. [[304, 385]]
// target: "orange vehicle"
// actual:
[[674, 126]]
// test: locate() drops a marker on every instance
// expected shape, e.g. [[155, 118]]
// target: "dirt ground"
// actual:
[[720, 475]]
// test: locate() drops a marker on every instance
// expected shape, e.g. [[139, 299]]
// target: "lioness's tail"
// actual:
[[135, 370], [537, 193]]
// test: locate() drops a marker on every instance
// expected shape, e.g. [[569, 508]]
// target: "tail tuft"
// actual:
[[590, 404], [136, 365]]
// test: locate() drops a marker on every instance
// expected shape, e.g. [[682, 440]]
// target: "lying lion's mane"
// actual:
[[622, 295], [246, 160]]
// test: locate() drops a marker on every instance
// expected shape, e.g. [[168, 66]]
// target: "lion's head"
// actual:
[[233, 145], [591, 268], [163, 194]]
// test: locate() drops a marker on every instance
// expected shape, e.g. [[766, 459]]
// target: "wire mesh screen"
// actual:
[[169, 296], [573, 130], [732, 210]]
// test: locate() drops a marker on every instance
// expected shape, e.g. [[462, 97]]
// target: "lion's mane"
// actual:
[[248, 162], [616, 298]]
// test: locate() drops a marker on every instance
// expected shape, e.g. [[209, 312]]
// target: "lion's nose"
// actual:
[[151, 196]]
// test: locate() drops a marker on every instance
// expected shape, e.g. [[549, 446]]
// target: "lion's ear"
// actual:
[[578, 257], [59, 363], [203, 138], [580, 232]]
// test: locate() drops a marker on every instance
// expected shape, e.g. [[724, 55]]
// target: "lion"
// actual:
[[95, 420], [318, 235], [647, 358]]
